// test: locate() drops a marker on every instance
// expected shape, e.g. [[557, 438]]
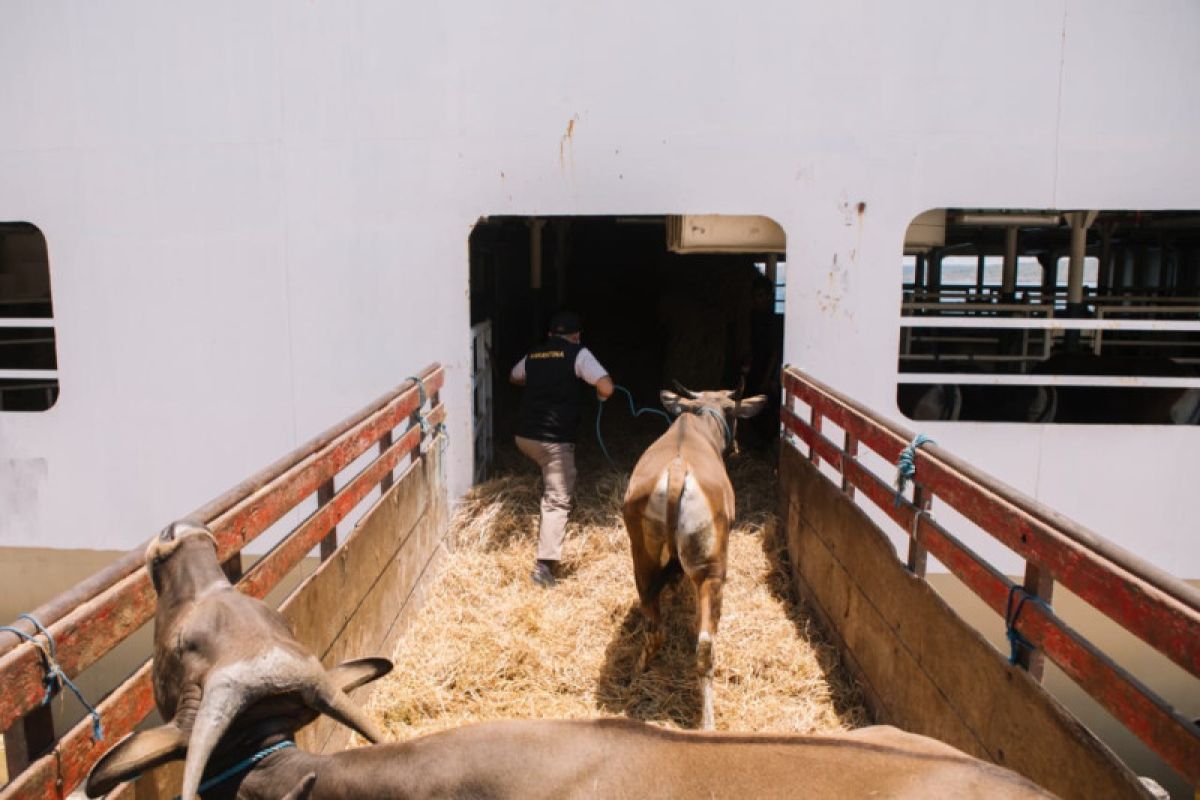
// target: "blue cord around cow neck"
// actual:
[[242, 766], [633, 409], [719, 417]]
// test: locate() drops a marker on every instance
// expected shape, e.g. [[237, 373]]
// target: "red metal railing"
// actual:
[[1161, 610], [93, 618]]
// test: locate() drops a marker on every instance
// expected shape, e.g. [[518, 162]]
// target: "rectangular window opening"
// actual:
[[996, 326], [28, 355]]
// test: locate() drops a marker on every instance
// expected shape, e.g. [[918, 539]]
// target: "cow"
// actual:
[[617, 758], [678, 510], [256, 757], [220, 654]]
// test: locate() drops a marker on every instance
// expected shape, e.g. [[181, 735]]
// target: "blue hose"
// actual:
[[633, 409]]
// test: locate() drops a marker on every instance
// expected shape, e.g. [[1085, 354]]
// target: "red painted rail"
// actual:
[[124, 601], [1160, 610]]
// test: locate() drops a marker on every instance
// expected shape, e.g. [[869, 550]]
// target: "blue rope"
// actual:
[[633, 409], [242, 766], [55, 677], [1015, 640], [426, 427], [906, 465]]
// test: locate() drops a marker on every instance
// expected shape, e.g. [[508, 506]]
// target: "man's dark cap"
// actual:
[[565, 322]]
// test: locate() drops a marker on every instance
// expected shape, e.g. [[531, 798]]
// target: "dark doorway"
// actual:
[[651, 316]]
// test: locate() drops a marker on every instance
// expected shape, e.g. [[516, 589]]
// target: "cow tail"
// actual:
[[676, 475]]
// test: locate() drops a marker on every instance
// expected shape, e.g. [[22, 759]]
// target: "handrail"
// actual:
[[96, 616], [1157, 607], [55, 608]]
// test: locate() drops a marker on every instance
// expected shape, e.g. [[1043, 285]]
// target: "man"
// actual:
[[548, 419]]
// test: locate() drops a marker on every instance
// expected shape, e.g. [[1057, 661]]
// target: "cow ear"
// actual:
[[135, 754], [352, 674], [671, 401], [751, 406]]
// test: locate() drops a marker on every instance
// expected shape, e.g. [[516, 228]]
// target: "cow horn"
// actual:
[[741, 390], [221, 703], [683, 390], [333, 702]]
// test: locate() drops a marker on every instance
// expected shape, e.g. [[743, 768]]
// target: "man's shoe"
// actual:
[[543, 575]]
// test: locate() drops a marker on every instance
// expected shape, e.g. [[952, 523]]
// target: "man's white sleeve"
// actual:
[[587, 368], [518, 372]]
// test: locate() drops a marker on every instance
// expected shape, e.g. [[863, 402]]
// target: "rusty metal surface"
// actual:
[[120, 604], [1135, 601], [890, 438], [59, 606], [921, 666], [1140, 604]]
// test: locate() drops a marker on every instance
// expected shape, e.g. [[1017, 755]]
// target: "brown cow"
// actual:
[[255, 758], [219, 654], [678, 510], [617, 758]]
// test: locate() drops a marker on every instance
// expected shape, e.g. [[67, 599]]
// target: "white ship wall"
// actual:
[[257, 213]]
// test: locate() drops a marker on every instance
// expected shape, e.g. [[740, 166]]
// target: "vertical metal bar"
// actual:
[[980, 263], [1008, 279], [232, 567], [813, 455], [933, 272], [789, 402], [1038, 583], [1080, 222], [918, 556], [1104, 277], [385, 442], [28, 739], [325, 493], [850, 447]]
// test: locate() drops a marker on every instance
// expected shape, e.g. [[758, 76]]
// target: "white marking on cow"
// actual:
[[656, 506], [695, 535]]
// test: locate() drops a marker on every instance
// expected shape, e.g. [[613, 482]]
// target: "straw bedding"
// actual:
[[490, 644]]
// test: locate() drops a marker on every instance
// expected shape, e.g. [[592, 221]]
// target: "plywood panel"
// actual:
[[923, 668], [357, 603]]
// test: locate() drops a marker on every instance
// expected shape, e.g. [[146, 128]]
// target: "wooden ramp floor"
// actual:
[[489, 644]]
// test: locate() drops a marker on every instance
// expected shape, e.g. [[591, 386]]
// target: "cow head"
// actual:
[[726, 405], [220, 655], [728, 402]]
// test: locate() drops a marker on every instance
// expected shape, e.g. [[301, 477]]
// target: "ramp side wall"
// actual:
[[921, 667]]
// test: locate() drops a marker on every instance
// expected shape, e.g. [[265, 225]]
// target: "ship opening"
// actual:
[[697, 300], [1051, 316]]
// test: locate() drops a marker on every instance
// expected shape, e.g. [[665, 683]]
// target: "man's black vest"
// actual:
[[552, 402]]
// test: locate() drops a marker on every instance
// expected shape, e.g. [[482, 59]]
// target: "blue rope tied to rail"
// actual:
[[422, 418], [633, 409], [906, 465], [55, 677], [242, 766], [1015, 640]]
